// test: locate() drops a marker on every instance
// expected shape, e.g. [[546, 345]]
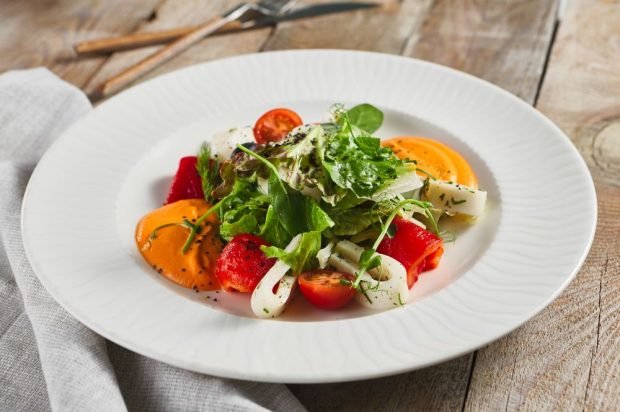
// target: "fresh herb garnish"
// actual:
[[425, 172], [361, 288], [208, 168], [195, 228]]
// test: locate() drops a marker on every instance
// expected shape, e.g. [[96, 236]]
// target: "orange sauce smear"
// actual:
[[435, 158], [194, 269]]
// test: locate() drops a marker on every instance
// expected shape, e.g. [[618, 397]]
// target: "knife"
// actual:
[[133, 41]]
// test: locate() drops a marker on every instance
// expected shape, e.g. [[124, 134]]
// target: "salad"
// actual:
[[326, 208]]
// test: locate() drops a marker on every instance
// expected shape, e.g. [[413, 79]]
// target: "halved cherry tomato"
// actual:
[[274, 125], [326, 289], [415, 248], [242, 264]]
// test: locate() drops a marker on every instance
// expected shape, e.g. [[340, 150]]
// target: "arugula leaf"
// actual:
[[208, 169], [303, 257]]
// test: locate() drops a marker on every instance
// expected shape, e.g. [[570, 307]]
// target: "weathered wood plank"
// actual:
[[566, 358], [36, 33], [178, 13], [439, 388], [385, 29], [503, 42]]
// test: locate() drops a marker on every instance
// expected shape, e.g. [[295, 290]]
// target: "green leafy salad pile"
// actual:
[[323, 181]]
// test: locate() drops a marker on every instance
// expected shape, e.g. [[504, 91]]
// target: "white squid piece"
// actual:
[[265, 303], [454, 198], [386, 290]]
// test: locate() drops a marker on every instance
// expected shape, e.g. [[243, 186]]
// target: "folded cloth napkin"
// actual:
[[48, 360]]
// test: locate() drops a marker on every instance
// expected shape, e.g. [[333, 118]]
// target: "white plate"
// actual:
[[114, 165]]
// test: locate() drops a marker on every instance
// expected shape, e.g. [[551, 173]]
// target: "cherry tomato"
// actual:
[[415, 248], [242, 264], [274, 125], [326, 289]]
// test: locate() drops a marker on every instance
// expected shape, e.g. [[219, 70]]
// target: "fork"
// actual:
[[241, 13]]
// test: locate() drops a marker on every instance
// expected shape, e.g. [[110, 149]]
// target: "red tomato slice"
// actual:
[[242, 264], [326, 289], [274, 125], [186, 183], [417, 249]]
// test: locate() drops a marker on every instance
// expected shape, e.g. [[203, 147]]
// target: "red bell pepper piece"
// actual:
[[186, 183], [242, 264], [416, 249]]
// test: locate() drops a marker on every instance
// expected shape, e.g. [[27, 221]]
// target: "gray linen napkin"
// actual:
[[47, 358]]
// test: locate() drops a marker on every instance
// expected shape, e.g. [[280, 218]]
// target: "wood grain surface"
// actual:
[[175, 13], [42, 33], [567, 357]]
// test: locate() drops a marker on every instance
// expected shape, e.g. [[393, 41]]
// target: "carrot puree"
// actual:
[[194, 269]]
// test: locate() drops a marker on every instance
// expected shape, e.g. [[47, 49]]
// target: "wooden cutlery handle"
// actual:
[[144, 66], [131, 41], [137, 40]]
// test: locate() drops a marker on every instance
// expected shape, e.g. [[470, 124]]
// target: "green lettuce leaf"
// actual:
[[303, 257], [246, 224], [316, 218], [286, 205], [242, 209], [349, 222], [273, 231]]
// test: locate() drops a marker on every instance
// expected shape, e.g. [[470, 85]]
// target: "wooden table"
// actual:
[[567, 357]]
